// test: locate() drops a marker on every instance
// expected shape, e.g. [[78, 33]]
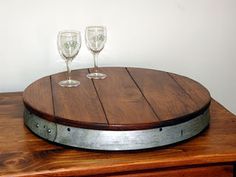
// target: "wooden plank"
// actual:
[[78, 106], [24, 154], [195, 90], [9, 103], [15, 137], [210, 171], [10, 98], [166, 97], [38, 97], [124, 104]]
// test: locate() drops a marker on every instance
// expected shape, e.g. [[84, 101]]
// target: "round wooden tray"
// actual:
[[131, 109]]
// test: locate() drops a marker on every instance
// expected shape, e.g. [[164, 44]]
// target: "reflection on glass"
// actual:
[[95, 37], [69, 43]]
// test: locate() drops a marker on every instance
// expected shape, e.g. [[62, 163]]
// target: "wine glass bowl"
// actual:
[[95, 38], [69, 43]]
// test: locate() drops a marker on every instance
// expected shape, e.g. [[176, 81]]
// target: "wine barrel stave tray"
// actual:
[[131, 109]]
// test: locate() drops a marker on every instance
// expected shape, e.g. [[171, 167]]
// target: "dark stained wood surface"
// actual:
[[24, 154], [123, 103], [128, 99], [38, 98], [168, 99], [213, 171], [78, 104], [195, 90]]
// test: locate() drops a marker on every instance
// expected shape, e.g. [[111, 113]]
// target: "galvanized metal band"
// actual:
[[116, 140]]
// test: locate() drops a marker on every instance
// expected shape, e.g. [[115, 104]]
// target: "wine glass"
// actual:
[[95, 37], [69, 43]]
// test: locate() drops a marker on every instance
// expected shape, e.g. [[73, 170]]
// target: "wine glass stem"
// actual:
[[68, 62], [95, 59]]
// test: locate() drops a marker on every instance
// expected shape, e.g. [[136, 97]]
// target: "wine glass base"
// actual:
[[69, 83], [96, 76]]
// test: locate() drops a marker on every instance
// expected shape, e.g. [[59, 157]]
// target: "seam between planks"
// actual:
[[53, 105], [156, 115], [99, 100], [182, 88]]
